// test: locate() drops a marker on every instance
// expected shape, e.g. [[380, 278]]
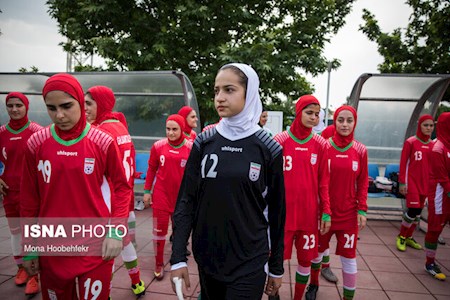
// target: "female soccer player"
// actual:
[[100, 102], [67, 167], [167, 162], [348, 200], [232, 191], [306, 178], [414, 179], [438, 194], [13, 141], [190, 122]]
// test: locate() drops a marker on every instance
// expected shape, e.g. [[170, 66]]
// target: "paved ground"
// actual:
[[383, 272]]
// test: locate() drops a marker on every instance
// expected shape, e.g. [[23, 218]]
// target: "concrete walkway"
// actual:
[[383, 271]]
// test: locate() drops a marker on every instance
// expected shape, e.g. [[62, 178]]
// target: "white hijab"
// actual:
[[321, 126], [245, 123]]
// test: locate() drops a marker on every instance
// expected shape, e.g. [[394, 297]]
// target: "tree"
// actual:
[[278, 38], [423, 47]]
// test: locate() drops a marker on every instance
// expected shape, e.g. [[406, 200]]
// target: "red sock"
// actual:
[[410, 231], [299, 290], [159, 248], [315, 271]]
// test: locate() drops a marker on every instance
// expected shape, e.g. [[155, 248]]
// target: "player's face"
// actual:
[[345, 122], [192, 119], [173, 130], [16, 109], [229, 98], [263, 118], [90, 108], [310, 115], [427, 127], [64, 110]]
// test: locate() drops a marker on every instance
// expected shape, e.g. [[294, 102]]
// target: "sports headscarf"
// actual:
[[299, 130], [328, 132], [104, 97], [419, 132], [67, 83], [184, 112], [443, 129], [245, 123], [180, 121], [121, 117], [340, 140], [17, 124], [321, 126]]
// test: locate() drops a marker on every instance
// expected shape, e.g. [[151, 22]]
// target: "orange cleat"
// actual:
[[21, 276], [32, 287]]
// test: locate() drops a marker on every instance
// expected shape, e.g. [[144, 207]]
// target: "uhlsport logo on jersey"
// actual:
[[89, 165], [354, 165], [313, 158], [254, 171]]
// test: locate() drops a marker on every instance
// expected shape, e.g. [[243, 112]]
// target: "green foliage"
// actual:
[[280, 39], [33, 69], [423, 47]]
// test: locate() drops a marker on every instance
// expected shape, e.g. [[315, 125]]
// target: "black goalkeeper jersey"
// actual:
[[232, 192]]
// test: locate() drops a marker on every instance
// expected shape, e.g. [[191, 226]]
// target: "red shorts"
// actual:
[[58, 277], [306, 243], [346, 242], [415, 200]]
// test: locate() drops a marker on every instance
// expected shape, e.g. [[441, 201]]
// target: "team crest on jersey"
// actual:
[[313, 159], [183, 163], [254, 171], [89, 165], [354, 165]]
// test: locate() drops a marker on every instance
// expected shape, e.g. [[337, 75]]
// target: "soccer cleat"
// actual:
[[401, 243], [311, 292], [32, 287], [411, 242], [21, 276], [139, 205], [138, 289], [276, 297], [441, 240], [328, 275], [159, 272], [434, 270]]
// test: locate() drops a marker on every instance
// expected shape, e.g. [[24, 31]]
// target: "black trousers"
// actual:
[[250, 287]]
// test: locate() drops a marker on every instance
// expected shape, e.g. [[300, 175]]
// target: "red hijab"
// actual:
[[17, 124], [121, 117], [184, 112], [67, 83], [443, 129], [419, 133], [299, 130], [104, 97], [328, 132], [340, 140], [180, 121]]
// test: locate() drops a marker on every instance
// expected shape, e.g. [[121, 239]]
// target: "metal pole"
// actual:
[[328, 93]]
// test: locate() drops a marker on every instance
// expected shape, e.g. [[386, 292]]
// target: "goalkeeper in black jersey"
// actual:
[[232, 192]]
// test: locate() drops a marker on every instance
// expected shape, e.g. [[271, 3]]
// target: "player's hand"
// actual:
[[403, 189], [362, 221], [148, 200], [3, 187], [273, 285], [183, 274], [111, 248], [31, 266], [324, 226]]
